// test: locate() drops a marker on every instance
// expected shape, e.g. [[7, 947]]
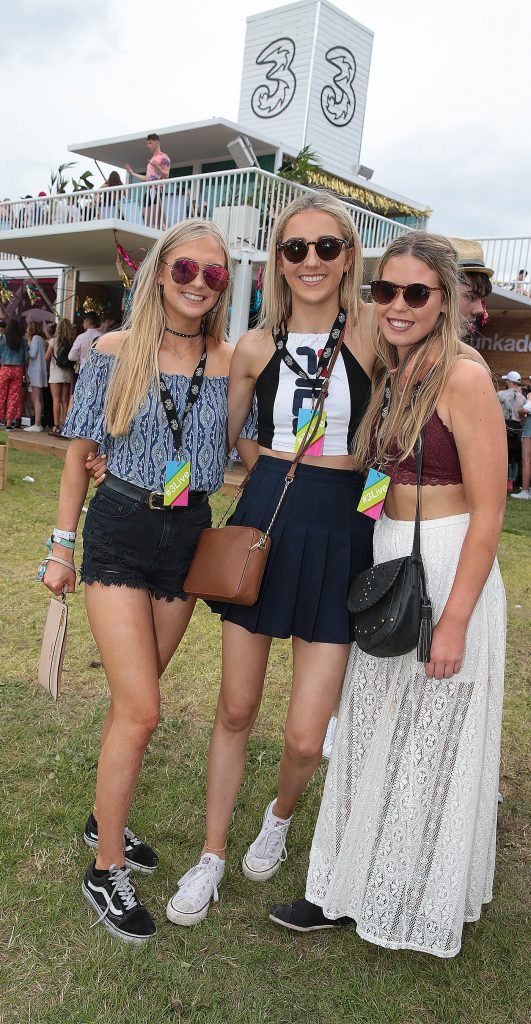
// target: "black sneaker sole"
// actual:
[[142, 869], [298, 928], [136, 940]]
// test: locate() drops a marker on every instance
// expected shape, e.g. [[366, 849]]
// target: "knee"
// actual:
[[141, 725], [236, 717], [302, 748]]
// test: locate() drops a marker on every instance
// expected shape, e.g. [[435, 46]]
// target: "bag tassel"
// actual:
[[425, 633]]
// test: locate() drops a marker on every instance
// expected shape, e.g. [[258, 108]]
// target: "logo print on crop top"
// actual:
[[303, 389]]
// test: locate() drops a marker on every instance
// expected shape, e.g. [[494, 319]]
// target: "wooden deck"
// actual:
[[44, 444]]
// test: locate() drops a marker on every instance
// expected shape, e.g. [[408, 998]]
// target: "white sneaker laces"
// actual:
[[195, 879], [277, 833], [120, 878], [134, 840]]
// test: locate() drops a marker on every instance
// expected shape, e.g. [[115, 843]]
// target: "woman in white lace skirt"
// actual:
[[405, 840]]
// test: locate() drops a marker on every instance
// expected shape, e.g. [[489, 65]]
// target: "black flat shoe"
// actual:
[[303, 916]]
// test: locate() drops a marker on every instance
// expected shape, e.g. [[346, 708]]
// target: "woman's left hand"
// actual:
[[447, 650]]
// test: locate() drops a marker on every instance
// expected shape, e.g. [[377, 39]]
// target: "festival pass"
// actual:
[[316, 447], [373, 496], [176, 484]]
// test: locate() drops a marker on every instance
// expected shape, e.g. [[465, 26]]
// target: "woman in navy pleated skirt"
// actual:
[[319, 540]]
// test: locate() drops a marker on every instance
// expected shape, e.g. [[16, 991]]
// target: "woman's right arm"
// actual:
[[242, 382], [72, 494]]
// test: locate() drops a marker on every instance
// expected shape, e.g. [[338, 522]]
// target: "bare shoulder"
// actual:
[[468, 379], [225, 351], [467, 352], [111, 344], [252, 341]]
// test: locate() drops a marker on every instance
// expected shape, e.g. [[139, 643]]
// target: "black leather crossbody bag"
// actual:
[[391, 608]]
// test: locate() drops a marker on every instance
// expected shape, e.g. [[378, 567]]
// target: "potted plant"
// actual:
[[3, 459]]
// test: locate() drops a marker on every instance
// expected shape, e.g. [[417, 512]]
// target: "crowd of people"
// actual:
[[39, 365], [405, 839]]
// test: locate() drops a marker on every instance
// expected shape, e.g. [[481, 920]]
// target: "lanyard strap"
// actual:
[[418, 451], [280, 337], [196, 383]]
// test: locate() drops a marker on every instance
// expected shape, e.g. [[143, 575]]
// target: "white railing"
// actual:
[[244, 202], [510, 258]]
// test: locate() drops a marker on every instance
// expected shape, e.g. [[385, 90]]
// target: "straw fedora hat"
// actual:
[[470, 256]]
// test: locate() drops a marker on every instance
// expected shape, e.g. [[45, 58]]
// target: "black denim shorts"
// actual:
[[127, 544]]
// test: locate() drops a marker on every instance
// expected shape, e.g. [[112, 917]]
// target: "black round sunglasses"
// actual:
[[328, 248]]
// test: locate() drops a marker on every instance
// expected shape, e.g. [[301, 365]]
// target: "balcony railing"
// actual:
[[510, 258], [245, 203]]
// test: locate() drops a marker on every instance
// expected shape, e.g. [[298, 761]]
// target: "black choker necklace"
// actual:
[[179, 334]]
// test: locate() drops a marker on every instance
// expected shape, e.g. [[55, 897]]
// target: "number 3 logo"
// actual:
[[338, 101], [277, 92]]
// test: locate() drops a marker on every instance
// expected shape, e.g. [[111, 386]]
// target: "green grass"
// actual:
[[236, 967]]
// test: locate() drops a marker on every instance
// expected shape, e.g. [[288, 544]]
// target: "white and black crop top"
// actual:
[[281, 392]]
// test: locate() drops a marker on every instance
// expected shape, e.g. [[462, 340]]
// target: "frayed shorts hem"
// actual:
[[134, 584]]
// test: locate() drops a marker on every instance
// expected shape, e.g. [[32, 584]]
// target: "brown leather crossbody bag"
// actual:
[[229, 561]]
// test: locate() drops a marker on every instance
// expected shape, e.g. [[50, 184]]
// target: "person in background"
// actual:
[[158, 169], [61, 374], [80, 350], [37, 372], [108, 323], [525, 414], [474, 282], [521, 286], [113, 181], [13, 353], [40, 209], [512, 400], [109, 206]]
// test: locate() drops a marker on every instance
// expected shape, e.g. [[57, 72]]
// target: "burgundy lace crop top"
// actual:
[[440, 463]]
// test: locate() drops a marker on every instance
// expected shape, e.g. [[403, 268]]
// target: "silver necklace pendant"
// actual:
[[176, 354]]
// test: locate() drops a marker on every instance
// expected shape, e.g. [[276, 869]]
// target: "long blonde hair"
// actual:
[[137, 367], [276, 306], [431, 360]]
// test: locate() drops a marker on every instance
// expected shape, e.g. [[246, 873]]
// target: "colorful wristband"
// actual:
[[64, 534]]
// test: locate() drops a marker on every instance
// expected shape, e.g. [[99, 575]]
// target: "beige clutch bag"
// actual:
[[53, 647]]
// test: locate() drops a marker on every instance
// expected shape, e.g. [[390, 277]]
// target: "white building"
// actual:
[[304, 84]]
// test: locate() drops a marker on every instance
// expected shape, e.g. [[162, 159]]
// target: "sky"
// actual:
[[447, 121]]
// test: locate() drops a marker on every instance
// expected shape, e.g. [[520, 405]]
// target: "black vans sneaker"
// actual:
[[138, 855], [114, 899]]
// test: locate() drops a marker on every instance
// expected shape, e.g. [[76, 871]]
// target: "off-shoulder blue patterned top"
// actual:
[[140, 456]]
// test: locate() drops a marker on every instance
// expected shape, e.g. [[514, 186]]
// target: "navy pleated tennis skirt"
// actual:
[[318, 543]]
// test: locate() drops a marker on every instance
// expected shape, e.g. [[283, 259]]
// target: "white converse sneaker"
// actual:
[[268, 852], [525, 495], [196, 889], [329, 738]]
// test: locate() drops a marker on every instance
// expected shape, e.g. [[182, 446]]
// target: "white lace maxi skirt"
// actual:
[[405, 838]]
